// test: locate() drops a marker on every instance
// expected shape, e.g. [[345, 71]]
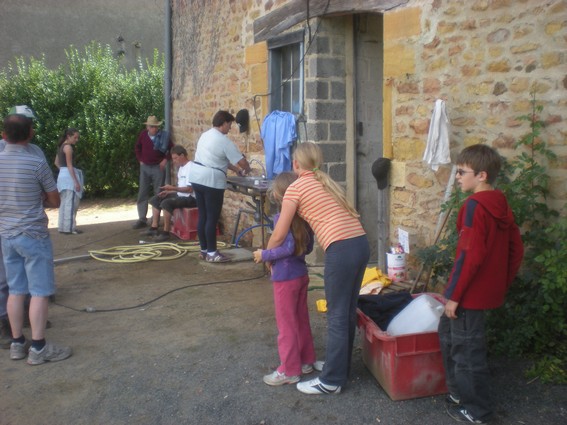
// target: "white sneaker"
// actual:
[[306, 369], [49, 353], [318, 365], [275, 379], [19, 351], [315, 386]]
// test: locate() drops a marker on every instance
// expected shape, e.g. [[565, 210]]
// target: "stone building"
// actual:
[[364, 78]]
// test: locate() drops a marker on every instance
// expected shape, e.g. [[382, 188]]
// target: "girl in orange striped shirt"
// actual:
[[321, 202]]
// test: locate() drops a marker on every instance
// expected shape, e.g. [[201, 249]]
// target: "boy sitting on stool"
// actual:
[[172, 197]]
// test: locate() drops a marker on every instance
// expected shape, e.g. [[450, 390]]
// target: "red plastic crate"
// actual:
[[406, 366], [185, 223]]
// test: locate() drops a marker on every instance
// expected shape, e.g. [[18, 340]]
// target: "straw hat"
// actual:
[[153, 121]]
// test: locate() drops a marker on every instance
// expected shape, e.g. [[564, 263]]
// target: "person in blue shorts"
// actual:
[[26, 187]]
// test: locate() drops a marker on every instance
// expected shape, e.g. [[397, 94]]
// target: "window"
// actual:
[[286, 73]]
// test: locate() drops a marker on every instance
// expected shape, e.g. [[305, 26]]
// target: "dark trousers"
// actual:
[[172, 201], [345, 263], [209, 203], [463, 346]]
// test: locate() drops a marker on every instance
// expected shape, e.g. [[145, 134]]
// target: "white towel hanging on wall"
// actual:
[[437, 149]]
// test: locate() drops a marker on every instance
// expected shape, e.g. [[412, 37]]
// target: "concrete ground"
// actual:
[[185, 342]]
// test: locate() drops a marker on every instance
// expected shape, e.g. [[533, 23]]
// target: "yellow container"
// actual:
[[321, 306]]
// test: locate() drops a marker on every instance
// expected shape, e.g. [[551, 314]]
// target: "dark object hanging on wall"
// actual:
[[243, 120], [380, 169]]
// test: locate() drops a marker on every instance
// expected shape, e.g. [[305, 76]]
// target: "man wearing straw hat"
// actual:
[[152, 152]]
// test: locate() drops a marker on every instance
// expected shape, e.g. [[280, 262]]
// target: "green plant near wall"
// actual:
[[532, 322], [94, 93]]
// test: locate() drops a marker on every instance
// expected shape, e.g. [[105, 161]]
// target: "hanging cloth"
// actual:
[[437, 149], [161, 141], [278, 132]]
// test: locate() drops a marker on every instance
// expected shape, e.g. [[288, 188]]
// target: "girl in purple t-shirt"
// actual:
[[290, 281]]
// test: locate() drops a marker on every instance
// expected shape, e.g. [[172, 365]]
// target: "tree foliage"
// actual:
[[96, 94]]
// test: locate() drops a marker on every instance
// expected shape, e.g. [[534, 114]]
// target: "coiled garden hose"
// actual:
[[145, 252]]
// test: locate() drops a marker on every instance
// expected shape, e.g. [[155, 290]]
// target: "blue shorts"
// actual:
[[29, 265]]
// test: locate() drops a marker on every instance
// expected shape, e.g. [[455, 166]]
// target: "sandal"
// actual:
[[217, 258], [203, 256]]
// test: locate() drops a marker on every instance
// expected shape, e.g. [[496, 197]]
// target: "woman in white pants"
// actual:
[[69, 182]]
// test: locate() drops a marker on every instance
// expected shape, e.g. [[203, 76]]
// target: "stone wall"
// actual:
[[226, 73], [484, 58], [325, 96], [216, 65]]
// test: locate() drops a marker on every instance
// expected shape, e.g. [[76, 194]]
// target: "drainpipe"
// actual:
[[167, 79]]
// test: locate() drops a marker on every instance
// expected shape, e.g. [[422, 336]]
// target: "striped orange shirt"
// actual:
[[330, 221]]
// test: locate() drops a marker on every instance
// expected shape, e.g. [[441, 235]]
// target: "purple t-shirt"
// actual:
[[285, 265]]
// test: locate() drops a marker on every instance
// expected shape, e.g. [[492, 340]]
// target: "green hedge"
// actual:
[[96, 94]]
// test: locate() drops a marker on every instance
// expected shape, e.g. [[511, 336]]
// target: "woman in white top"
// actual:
[[214, 155]]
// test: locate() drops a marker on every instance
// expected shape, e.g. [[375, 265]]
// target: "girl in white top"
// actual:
[[69, 182]]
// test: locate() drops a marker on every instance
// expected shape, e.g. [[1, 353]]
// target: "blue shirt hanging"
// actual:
[[278, 132]]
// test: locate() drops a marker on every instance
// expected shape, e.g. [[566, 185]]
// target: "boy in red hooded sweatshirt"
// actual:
[[489, 254]]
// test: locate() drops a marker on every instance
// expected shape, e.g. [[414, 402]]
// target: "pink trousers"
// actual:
[[295, 342]]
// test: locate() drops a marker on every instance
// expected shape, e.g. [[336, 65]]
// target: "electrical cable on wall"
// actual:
[[310, 43]]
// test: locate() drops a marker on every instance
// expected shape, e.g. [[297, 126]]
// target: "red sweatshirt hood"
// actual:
[[495, 203]]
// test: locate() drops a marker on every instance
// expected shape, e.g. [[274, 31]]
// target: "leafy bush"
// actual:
[[532, 321], [94, 93]]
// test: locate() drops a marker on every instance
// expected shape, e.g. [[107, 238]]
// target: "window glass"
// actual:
[[287, 78]]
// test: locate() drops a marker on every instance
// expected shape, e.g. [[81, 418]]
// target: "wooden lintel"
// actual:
[[296, 11]]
